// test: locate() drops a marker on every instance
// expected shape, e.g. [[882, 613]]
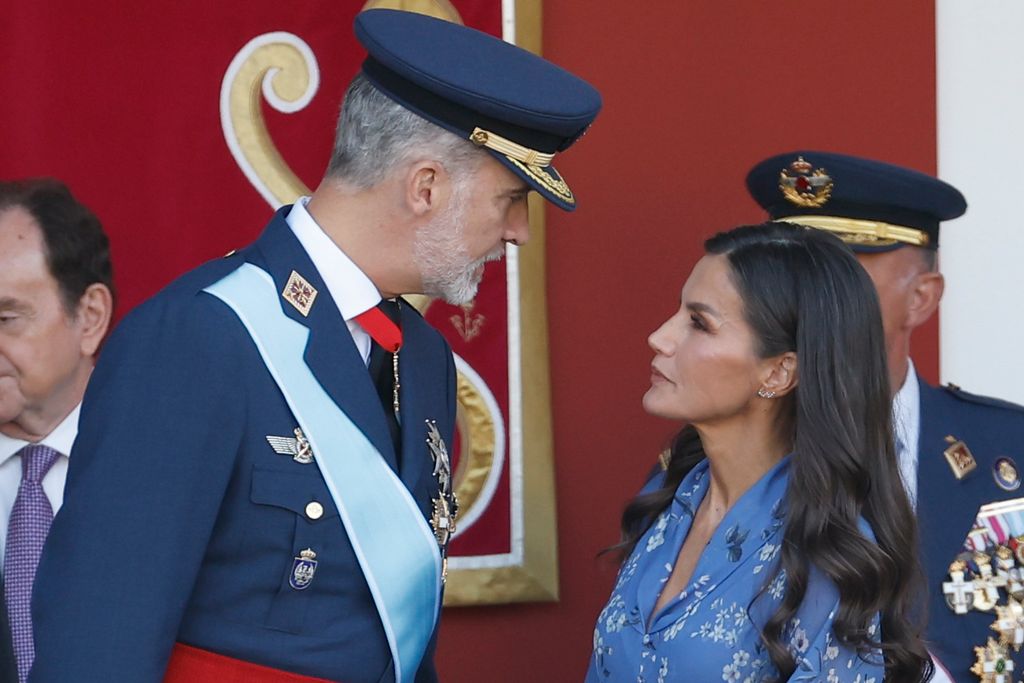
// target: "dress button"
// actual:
[[314, 510]]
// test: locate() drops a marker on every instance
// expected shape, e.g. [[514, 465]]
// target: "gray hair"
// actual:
[[376, 134]]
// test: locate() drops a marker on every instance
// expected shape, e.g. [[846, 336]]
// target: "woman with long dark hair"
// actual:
[[778, 543]]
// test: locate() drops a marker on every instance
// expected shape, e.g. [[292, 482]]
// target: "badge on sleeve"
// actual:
[[297, 447], [959, 457], [303, 570]]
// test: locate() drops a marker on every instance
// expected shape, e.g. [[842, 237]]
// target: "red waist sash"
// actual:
[[192, 665]]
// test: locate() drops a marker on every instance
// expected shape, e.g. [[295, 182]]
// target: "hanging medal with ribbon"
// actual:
[[445, 505]]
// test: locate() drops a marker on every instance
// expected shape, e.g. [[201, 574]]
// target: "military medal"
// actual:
[[446, 505], [993, 663], [986, 586], [1006, 474], [1009, 624], [959, 457], [1009, 573], [443, 521], [959, 593], [303, 570], [297, 447], [299, 293], [439, 452]]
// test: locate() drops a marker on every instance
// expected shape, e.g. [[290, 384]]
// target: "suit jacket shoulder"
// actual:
[[988, 401]]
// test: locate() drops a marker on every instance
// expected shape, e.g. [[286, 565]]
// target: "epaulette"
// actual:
[[956, 391]]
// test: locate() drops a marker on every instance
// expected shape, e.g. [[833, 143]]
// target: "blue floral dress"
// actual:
[[711, 630]]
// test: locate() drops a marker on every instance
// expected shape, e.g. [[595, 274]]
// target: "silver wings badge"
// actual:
[[297, 447]]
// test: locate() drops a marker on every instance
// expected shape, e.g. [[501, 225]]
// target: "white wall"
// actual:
[[980, 71]]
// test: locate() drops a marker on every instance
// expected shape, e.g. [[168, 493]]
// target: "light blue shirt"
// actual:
[[711, 631]]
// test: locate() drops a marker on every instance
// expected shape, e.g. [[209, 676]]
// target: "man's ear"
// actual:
[[95, 309], [782, 376], [924, 296], [427, 186]]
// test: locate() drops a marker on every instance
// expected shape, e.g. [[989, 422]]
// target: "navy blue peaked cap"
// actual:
[[871, 205], [519, 107]]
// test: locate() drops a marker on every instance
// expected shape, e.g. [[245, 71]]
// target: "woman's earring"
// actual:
[[763, 393]]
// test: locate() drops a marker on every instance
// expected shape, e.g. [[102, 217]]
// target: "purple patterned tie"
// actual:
[[30, 522]]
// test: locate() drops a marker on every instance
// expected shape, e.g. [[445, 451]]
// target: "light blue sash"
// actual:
[[392, 541]]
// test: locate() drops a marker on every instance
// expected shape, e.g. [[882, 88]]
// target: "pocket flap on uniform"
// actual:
[[304, 493]]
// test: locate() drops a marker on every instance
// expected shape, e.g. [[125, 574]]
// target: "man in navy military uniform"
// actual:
[[246, 501], [957, 451]]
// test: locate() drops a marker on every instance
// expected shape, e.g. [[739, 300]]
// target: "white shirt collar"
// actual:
[[906, 413], [60, 439], [353, 292], [906, 408]]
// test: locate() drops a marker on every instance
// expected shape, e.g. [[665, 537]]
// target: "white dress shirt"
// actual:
[[906, 418], [353, 292], [60, 440]]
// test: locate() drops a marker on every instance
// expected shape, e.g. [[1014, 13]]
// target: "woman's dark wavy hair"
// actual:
[[803, 291]]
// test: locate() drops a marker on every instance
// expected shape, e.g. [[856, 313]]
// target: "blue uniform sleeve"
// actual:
[[160, 428]]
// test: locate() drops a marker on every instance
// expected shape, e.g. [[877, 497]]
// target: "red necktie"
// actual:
[[381, 328], [380, 323]]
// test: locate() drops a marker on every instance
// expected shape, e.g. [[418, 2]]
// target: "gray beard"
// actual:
[[445, 268]]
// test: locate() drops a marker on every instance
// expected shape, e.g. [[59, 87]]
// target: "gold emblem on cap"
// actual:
[[299, 293], [804, 185], [513, 150], [959, 457], [556, 186], [856, 231]]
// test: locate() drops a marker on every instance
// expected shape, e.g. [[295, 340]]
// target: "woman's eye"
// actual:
[[696, 323]]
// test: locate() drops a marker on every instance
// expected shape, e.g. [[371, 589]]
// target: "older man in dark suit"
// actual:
[[56, 298]]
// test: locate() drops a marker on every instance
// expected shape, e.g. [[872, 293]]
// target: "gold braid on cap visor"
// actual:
[[854, 231], [513, 150]]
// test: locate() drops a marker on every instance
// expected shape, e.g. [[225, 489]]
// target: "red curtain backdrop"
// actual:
[[121, 101]]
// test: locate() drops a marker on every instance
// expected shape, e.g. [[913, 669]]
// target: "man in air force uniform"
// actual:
[[247, 501], [958, 451]]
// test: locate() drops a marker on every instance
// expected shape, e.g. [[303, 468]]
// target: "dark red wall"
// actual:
[[695, 93]]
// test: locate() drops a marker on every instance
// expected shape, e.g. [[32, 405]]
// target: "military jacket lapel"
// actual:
[[414, 397], [330, 353]]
